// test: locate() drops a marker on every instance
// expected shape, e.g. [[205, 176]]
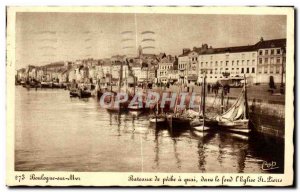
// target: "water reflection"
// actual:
[[83, 137]]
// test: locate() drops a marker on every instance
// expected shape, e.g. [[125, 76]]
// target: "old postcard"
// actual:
[[150, 96]]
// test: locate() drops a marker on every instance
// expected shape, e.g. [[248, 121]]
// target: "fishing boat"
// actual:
[[178, 120], [121, 106], [73, 92], [84, 93], [137, 106], [235, 119], [202, 122], [158, 118], [45, 84]]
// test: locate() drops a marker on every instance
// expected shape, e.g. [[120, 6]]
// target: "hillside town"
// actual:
[[259, 62]]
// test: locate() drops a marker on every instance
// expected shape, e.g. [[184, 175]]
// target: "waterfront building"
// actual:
[[192, 68], [183, 63], [136, 70], [72, 74], [21, 74], [228, 63], [257, 62], [165, 65], [271, 60]]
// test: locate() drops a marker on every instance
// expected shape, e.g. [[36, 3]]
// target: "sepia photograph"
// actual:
[[151, 90]]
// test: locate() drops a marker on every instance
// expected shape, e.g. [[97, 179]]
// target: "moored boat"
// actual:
[[178, 121], [45, 84], [235, 119]]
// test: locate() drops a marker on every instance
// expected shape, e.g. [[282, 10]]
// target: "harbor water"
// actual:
[[57, 133]]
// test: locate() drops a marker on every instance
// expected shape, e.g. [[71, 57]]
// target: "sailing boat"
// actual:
[[198, 122], [137, 107], [120, 106], [177, 120], [236, 117], [158, 118], [202, 122]]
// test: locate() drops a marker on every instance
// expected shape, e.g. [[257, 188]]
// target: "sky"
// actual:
[[42, 38]]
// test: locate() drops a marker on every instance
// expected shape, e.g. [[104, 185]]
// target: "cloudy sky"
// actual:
[[47, 37]]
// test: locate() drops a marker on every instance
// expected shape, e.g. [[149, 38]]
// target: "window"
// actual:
[[272, 52], [226, 69], [242, 70], [260, 61], [232, 63], [278, 60], [259, 70], [253, 62], [271, 69], [232, 69], [253, 54], [226, 63], [248, 62], [265, 70], [243, 56], [211, 57], [278, 51], [248, 70], [277, 69], [272, 60], [260, 52], [211, 64], [201, 64], [266, 60], [242, 62], [253, 70], [237, 62], [221, 63], [266, 52]]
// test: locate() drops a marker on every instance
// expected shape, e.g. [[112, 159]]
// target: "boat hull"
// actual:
[[84, 94], [157, 120], [235, 126], [178, 122]]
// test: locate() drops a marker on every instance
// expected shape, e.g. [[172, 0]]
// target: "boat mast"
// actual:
[[222, 101], [134, 84], [110, 78], [121, 76], [203, 104], [246, 101], [126, 83]]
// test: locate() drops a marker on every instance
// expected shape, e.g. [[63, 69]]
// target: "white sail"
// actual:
[[236, 111]]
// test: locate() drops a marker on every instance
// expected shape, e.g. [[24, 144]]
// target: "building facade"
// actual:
[[228, 63], [183, 65], [271, 60]]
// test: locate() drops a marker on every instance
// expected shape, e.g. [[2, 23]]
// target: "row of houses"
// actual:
[[258, 62]]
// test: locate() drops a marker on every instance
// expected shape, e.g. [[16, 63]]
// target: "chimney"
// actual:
[[185, 50], [261, 39]]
